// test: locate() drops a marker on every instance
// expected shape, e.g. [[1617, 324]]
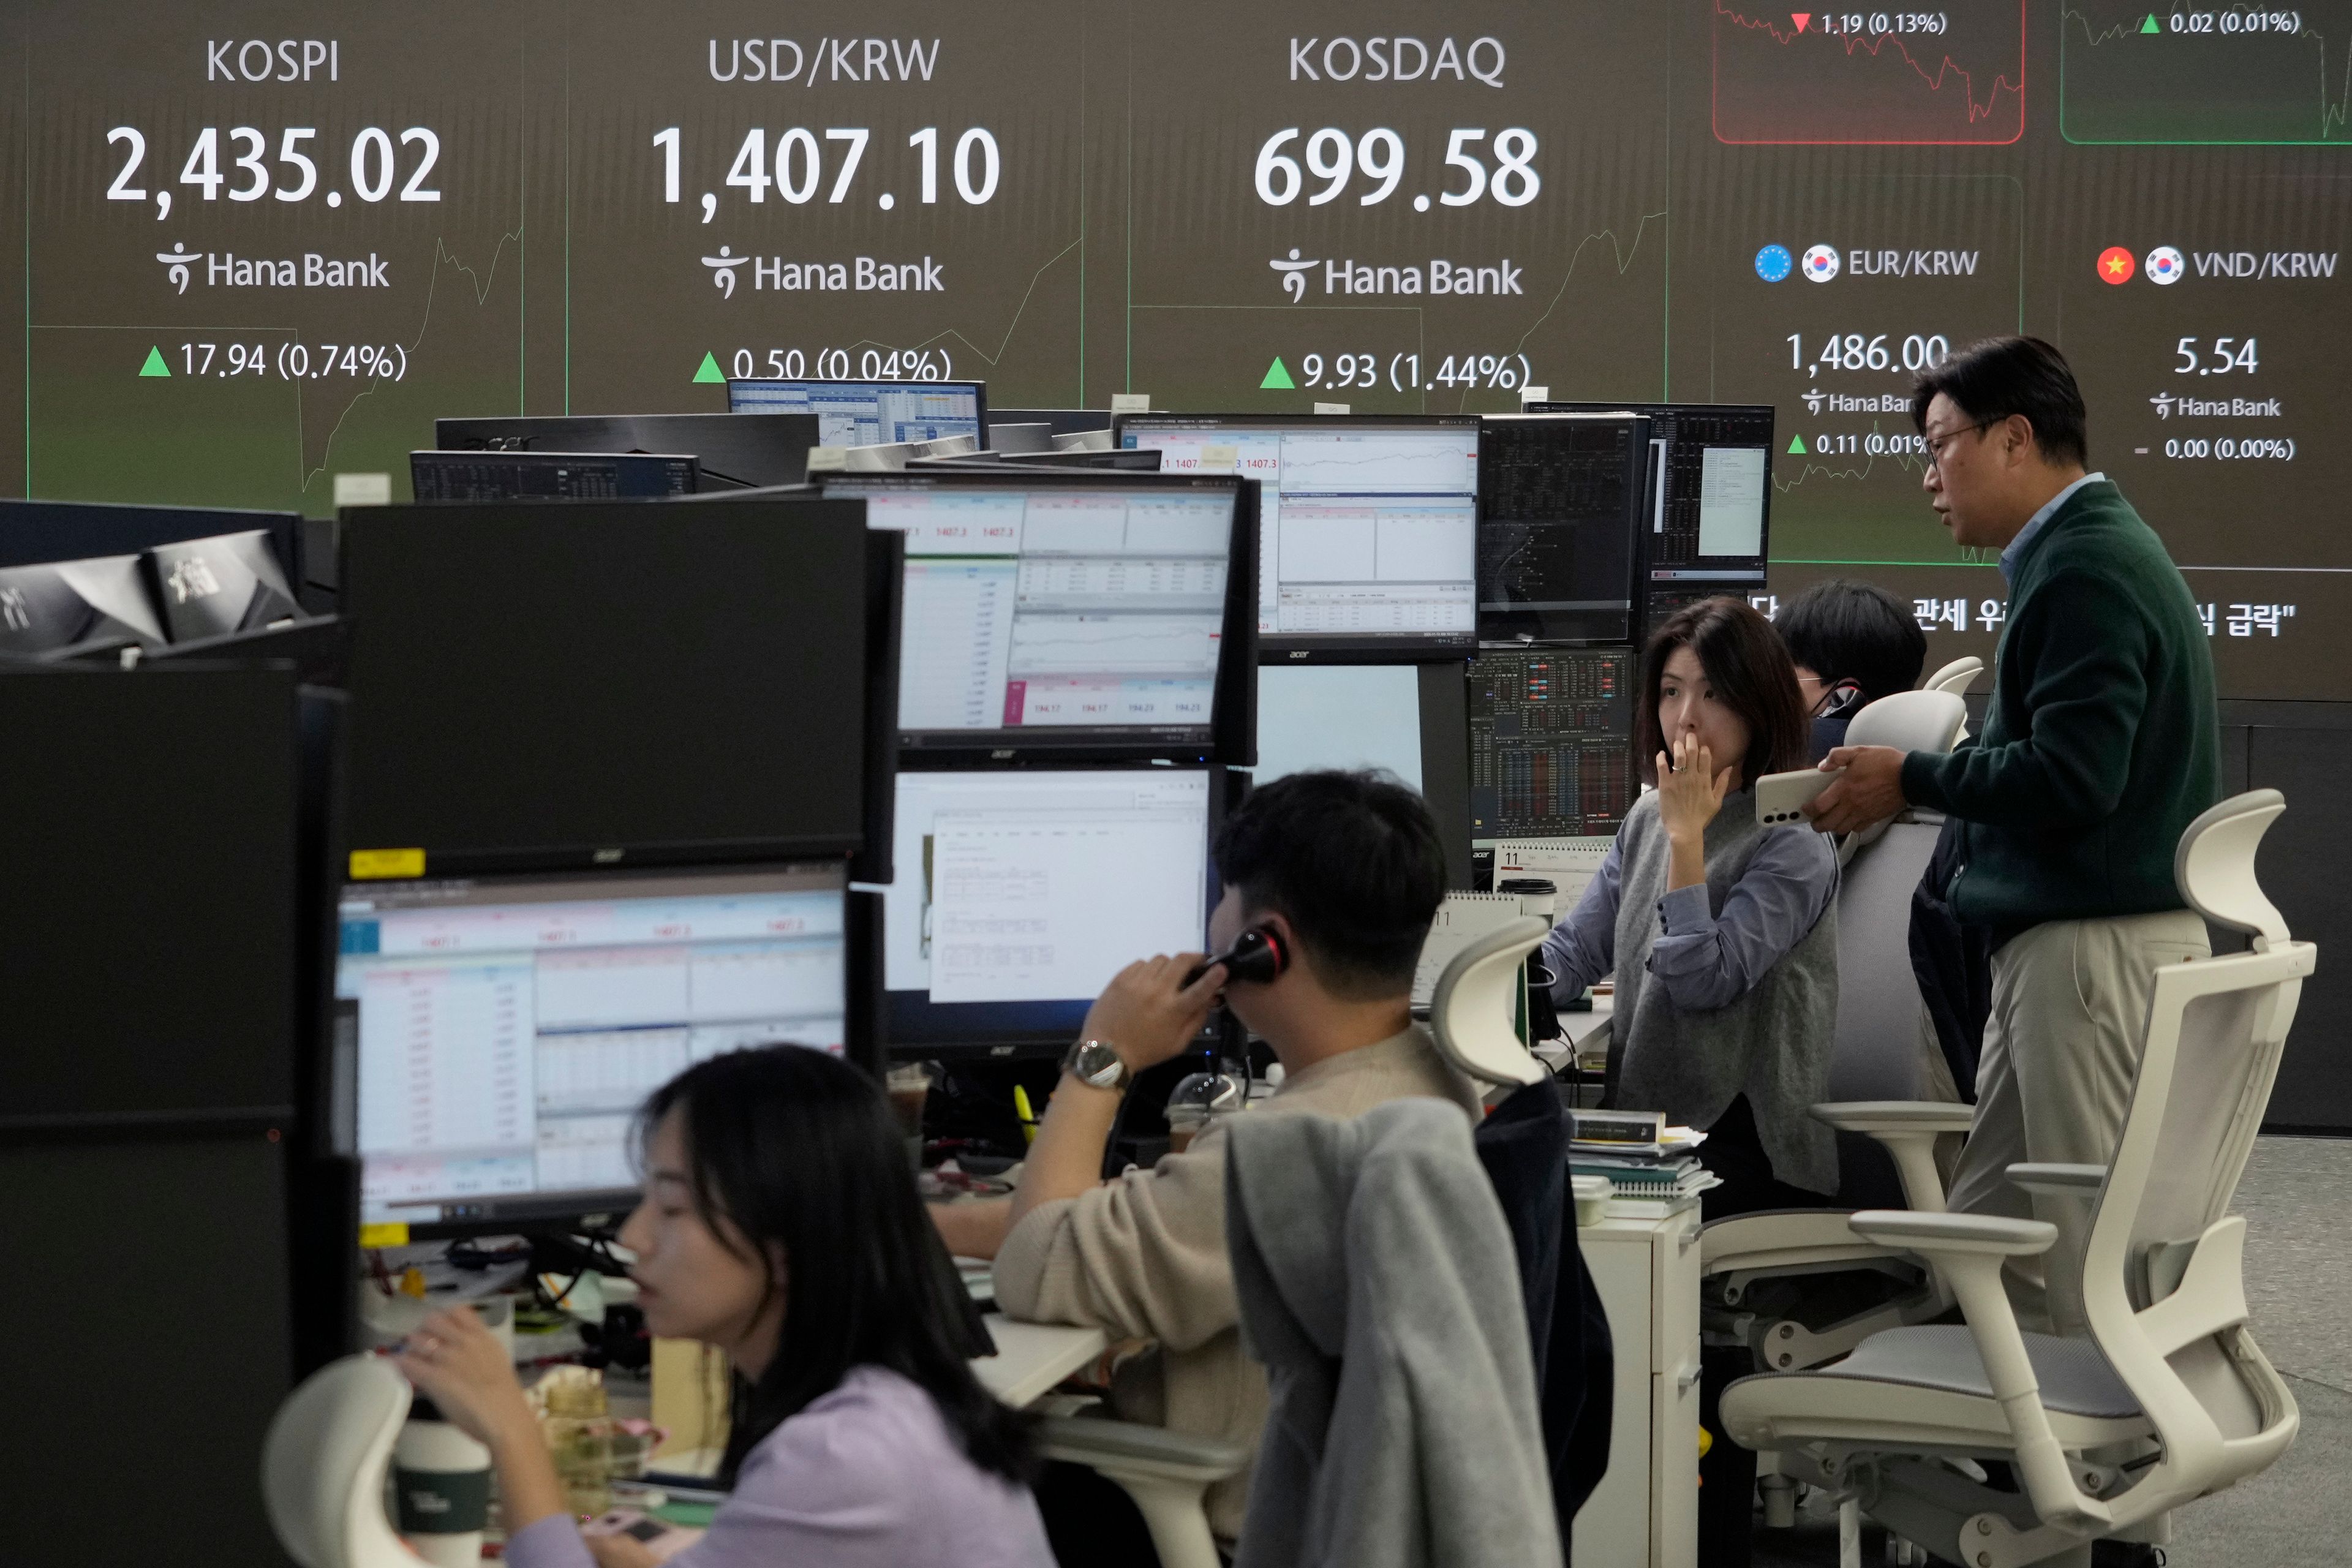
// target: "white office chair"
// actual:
[[1956, 678], [2169, 1398], [1473, 1013], [324, 1461]]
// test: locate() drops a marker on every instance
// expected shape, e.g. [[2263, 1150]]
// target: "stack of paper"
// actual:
[[1651, 1179]]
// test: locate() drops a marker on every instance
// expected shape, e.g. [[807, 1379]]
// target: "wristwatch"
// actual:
[[1097, 1063]]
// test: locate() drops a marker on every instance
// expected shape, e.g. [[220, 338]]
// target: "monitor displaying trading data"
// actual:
[[1551, 743], [507, 1028], [870, 412], [1044, 612], [1708, 507], [1560, 506], [1020, 894], [1367, 526]]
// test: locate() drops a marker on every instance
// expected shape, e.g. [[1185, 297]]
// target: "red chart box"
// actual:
[[1869, 78]]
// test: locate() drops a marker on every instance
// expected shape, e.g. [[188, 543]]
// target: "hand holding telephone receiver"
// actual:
[[1782, 797], [1258, 955]]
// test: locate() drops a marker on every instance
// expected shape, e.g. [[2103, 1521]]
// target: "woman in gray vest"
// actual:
[[1721, 932]]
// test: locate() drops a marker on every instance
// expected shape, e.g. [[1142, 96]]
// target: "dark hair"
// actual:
[[1751, 673], [2001, 377], [796, 1149], [1857, 632], [1353, 861]]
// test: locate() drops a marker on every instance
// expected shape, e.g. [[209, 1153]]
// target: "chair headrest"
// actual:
[[1471, 1013], [2214, 867], [1909, 721], [323, 1463], [1955, 677]]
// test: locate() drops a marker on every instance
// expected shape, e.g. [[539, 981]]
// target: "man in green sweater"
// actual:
[[2100, 744]]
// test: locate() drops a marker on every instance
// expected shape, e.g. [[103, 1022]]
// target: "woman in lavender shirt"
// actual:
[[779, 1223]]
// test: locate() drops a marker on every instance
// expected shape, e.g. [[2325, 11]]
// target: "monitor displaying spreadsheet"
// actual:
[[506, 1029], [1020, 893], [1368, 525], [870, 412], [1044, 612]]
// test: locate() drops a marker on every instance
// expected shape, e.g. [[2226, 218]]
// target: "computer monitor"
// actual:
[[100, 604], [870, 412], [1551, 743], [509, 1027], [550, 476], [1060, 421], [36, 530], [1311, 717], [1368, 525], [1706, 514], [216, 587], [734, 453], [1020, 892], [571, 685], [1078, 616], [1559, 498]]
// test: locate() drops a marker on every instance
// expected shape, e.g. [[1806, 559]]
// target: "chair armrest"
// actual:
[[1908, 1128], [2059, 1180], [1134, 1447], [1879, 1117], [1934, 1234], [1968, 1250]]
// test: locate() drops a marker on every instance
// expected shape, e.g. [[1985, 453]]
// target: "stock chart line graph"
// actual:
[[1880, 79], [2234, 76]]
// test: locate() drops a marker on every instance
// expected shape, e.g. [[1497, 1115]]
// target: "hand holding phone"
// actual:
[[1782, 797]]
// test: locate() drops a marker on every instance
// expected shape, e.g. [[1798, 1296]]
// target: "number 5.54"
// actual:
[[2226, 355]]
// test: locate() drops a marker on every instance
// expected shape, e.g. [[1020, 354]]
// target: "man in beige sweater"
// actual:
[[1340, 873]]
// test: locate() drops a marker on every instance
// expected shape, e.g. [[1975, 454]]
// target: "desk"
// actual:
[[1031, 1358], [690, 1394], [1644, 1513]]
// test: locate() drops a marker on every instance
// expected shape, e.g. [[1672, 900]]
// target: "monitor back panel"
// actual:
[[733, 453]]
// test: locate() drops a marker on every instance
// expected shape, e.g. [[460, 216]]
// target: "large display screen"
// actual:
[[256, 246]]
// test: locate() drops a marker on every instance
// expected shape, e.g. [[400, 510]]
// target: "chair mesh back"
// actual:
[[1877, 1056]]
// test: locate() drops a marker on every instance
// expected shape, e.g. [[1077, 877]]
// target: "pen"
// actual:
[[1028, 1117]]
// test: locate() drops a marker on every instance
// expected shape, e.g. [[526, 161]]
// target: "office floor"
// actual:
[[2298, 1283]]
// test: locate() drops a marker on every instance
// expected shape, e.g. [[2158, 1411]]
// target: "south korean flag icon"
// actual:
[[1820, 263], [2166, 265]]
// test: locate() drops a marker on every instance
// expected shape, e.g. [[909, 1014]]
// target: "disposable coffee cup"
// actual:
[[441, 1479]]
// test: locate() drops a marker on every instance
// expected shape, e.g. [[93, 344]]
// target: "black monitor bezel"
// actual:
[[978, 390], [1746, 577], [480, 858], [1314, 647], [424, 457], [603, 432], [1232, 731], [579, 1208], [914, 1029]]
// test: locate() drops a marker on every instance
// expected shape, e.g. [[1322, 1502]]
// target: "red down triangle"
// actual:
[[1801, 18]]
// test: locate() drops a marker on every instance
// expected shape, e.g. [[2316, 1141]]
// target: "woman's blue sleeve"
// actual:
[[1707, 959], [1582, 948]]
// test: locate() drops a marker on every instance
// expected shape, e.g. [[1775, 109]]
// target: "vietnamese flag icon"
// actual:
[[2116, 265], [1801, 18]]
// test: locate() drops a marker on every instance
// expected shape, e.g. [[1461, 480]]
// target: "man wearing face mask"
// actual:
[[2100, 746], [1339, 875]]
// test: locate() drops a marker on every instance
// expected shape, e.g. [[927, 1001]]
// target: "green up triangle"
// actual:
[[1276, 378], [156, 366], [710, 370], [1796, 446], [2149, 26]]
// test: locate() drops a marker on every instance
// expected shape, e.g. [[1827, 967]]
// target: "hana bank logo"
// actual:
[[1294, 275]]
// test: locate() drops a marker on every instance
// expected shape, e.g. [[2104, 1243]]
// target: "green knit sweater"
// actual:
[[2101, 743]]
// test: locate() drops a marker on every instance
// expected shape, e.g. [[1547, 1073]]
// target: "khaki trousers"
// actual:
[[2069, 1021]]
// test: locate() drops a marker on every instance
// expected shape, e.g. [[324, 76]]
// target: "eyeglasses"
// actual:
[[1938, 445]]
